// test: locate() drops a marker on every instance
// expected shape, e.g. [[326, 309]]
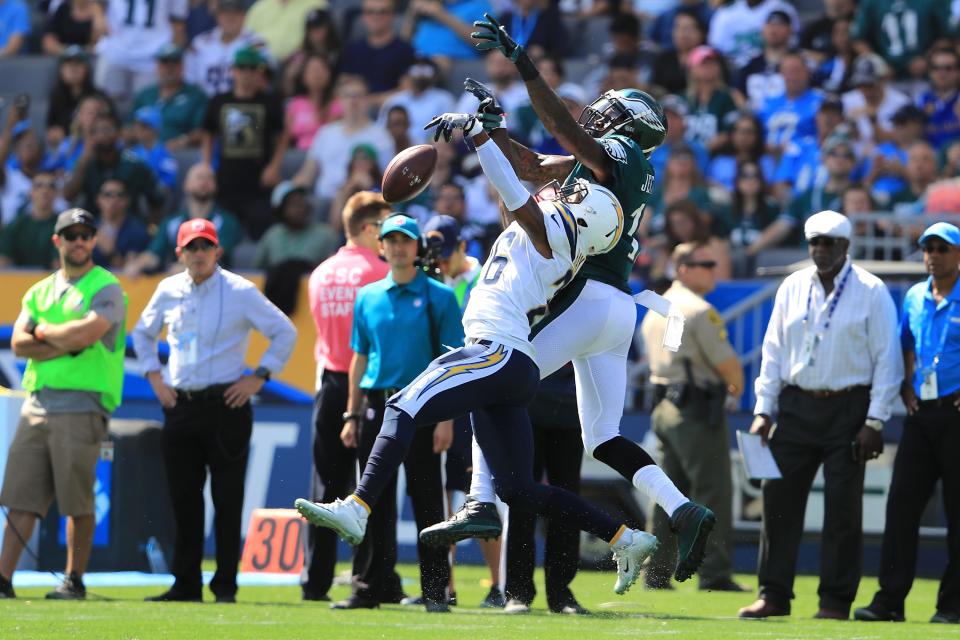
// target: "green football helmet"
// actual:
[[630, 112]]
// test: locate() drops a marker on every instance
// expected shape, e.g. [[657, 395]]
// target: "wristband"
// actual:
[[347, 417]]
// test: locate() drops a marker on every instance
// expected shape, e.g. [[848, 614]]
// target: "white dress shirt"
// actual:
[[859, 347], [208, 329]]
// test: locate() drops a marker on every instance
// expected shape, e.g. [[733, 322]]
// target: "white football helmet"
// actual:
[[597, 212]]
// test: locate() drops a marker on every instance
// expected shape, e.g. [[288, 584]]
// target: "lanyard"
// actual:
[[928, 320], [522, 28], [833, 301]]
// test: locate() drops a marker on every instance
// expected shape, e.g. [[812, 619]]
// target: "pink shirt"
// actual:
[[305, 120], [333, 288]]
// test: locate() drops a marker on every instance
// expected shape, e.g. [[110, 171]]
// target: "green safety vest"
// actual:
[[95, 369]]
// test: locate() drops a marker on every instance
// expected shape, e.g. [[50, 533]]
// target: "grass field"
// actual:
[[277, 612]]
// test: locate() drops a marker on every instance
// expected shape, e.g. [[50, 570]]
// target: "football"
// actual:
[[409, 173]]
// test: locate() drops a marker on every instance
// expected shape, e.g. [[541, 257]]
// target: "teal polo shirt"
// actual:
[[180, 115], [391, 327], [923, 325]]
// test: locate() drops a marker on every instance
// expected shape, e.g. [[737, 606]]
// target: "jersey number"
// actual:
[[900, 24], [131, 7], [634, 243], [497, 262]]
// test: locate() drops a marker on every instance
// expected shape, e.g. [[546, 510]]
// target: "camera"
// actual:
[[428, 255]]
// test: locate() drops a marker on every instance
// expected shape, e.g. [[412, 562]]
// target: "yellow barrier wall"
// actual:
[[299, 372]]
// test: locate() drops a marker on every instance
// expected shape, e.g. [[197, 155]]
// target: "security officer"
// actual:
[[72, 331], [691, 390], [400, 324], [205, 395], [930, 337]]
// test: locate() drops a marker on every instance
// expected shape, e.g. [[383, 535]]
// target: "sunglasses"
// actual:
[[822, 241], [703, 264], [749, 174], [199, 245], [112, 194], [842, 154], [929, 247], [72, 236]]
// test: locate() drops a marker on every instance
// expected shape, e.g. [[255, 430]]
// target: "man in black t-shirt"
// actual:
[[381, 57], [247, 126]]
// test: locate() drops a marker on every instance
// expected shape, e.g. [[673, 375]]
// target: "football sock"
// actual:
[[623, 456], [481, 480], [658, 487]]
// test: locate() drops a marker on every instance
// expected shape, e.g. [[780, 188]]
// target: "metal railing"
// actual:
[[746, 323]]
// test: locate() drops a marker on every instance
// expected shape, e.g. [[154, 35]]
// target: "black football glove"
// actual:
[[447, 123], [489, 113], [492, 35]]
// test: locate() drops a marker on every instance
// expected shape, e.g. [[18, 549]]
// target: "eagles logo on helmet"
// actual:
[[629, 112]]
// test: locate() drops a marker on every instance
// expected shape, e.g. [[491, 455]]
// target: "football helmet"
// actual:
[[630, 112], [595, 211]]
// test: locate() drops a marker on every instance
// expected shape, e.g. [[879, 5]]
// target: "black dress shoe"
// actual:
[[356, 602], [227, 599], [945, 617], [570, 607], [174, 596], [436, 606], [877, 613], [312, 596]]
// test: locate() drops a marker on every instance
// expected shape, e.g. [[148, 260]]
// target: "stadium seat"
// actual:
[[34, 75]]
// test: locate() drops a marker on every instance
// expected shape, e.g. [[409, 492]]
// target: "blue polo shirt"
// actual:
[[391, 327], [435, 39], [921, 326]]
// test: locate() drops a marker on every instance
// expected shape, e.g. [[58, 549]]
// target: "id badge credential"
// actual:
[[928, 384]]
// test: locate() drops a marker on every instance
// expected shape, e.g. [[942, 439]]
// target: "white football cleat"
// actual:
[[630, 556], [348, 518]]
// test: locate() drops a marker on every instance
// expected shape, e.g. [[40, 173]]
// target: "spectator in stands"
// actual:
[[800, 167], [88, 109], [71, 331], [74, 82], [381, 57], [839, 160], [208, 60], [670, 67], [833, 67], [885, 169], [325, 168], [105, 158], [536, 25], [676, 111], [331, 302], [760, 80], [753, 209], [363, 174], [919, 172], [684, 221], [661, 29], [70, 24], [295, 236], [147, 122], [321, 39], [681, 180], [709, 100], [872, 103], [14, 27], [17, 169], [120, 236], [623, 71], [398, 126], [313, 104], [25, 241], [200, 17], [181, 105], [505, 81], [450, 202], [199, 201], [830, 393], [205, 396], [926, 22], [281, 23], [248, 125], [134, 34], [816, 37], [572, 95], [791, 116], [423, 99], [736, 27], [941, 102], [625, 40], [441, 29], [857, 199], [746, 145]]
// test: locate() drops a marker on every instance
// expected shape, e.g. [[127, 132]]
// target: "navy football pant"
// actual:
[[494, 383]]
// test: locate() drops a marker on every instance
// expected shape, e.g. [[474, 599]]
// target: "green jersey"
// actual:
[[632, 183], [900, 30]]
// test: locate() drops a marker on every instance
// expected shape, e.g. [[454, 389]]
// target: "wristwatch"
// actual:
[[262, 372], [347, 416], [874, 423]]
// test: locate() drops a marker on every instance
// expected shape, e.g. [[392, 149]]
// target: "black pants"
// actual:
[[927, 453], [375, 559], [334, 474], [198, 435], [809, 432], [558, 452]]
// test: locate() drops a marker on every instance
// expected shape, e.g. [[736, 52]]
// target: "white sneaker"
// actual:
[[630, 556], [516, 606], [347, 517]]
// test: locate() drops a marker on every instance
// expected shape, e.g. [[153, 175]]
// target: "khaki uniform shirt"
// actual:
[[704, 341]]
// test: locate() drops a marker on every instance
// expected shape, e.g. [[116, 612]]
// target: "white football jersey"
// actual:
[[516, 282], [208, 60], [138, 28]]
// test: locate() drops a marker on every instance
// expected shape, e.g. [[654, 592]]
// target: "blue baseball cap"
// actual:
[[943, 230], [402, 223], [149, 116], [449, 230]]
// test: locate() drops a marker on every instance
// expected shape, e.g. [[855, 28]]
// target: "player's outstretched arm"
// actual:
[[546, 103]]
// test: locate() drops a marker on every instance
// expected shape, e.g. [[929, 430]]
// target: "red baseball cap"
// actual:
[[196, 228]]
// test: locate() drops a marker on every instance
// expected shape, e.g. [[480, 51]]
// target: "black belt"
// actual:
[[386, 393], [214, 391], [820, 394], [943, 401]]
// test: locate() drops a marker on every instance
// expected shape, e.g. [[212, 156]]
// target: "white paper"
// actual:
[[757, 458], [673, 334]]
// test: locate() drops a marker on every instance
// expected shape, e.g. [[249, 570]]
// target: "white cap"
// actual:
[[827, 223]]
